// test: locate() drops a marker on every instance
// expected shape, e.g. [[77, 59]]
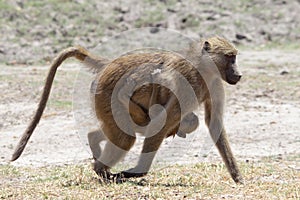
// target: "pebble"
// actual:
[[284, 72]]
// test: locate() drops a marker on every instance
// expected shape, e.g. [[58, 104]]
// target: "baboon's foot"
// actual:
[[238, 179]]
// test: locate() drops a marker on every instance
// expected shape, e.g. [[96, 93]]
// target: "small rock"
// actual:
[[122, 10], [183, 20], [262, 32], [240, 36], [213, 17], [20, 4], [284, 72], [79, 1], [120, 18], [171, 10], [154, 30]]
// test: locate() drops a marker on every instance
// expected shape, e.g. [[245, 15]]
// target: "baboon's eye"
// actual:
[[231, 59]]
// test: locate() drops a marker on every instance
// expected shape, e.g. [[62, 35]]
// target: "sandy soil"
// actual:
[[262, 115]]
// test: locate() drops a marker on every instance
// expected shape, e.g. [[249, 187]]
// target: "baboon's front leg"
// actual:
[[148, 153], [214, 121]]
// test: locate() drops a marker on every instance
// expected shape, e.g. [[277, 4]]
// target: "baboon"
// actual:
[[142, 92]]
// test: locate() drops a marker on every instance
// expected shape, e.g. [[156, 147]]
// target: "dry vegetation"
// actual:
[[267, 179]]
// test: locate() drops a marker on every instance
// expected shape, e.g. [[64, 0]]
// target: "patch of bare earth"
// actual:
[[262, 115]]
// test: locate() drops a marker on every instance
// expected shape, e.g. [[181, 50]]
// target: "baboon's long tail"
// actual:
[[80, 53]]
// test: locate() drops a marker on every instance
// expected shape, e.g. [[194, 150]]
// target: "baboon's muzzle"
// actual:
[[233, 76]]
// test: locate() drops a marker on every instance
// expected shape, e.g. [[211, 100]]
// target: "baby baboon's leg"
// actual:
[[124, 95], [126, 92], [94, 138], [117, 145], [188, 124], [214, 121]]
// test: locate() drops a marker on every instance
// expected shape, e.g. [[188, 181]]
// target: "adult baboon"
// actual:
[[153, 89]]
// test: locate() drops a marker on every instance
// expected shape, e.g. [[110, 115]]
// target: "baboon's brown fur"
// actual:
[[133, 69]]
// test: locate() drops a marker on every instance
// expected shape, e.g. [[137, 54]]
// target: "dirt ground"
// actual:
[[262, 115]]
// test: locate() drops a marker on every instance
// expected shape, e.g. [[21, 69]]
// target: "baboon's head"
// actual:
[[224, 56]]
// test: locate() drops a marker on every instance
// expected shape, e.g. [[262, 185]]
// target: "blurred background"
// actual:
[[34, 31]]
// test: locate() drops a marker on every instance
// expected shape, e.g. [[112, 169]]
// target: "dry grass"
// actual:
[[267, 179]]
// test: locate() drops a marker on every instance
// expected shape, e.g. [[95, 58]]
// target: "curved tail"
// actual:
[[81, 54]]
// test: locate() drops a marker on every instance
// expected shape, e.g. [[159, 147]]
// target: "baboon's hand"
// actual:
[[131, 173]]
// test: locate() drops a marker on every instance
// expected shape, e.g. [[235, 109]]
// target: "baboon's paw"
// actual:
[[239, 180], [127, 174]]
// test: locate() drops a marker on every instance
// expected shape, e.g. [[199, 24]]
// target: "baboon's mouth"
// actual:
[[233, 80]]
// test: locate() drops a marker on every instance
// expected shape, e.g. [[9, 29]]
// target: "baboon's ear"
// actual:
[[206, 46]]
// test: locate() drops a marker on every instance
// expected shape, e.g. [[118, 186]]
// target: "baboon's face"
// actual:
[[232, 75], [227, 67], [225, 59]]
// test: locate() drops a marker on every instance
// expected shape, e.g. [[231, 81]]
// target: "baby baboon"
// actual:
[[150, 93]]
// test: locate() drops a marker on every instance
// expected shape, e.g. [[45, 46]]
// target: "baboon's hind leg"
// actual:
[[117, 146], [94, 138]]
